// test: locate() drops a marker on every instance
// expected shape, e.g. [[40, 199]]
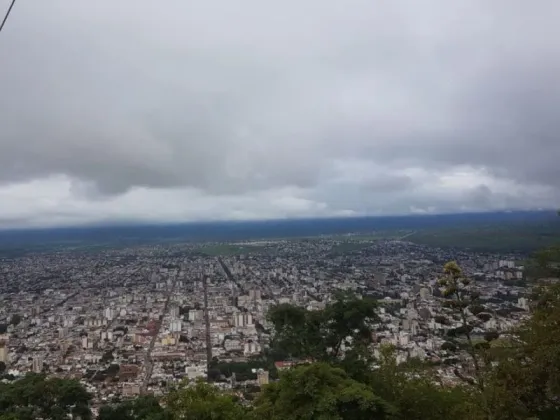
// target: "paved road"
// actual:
[[406, 236], [148, 359], [231, 278], [229, 275]]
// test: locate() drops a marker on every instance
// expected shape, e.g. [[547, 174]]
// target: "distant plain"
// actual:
[[488, 232]]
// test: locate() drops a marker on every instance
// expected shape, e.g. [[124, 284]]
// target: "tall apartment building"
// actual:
[[4, 356]]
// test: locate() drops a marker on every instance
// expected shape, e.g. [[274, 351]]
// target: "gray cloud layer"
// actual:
[[357, 106]]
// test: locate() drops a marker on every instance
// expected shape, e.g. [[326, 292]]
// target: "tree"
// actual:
[[416, 394], [525, 383], [291, 330], [527, 379], [459, 299], [345, 323], [142, 408], [544, 263], [34, 397], [202, 401], [320, 391], [348, 322]]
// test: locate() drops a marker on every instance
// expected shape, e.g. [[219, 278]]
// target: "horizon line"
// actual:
[[155, 223]]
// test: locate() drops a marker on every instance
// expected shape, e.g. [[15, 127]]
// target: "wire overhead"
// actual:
[[6, 16]]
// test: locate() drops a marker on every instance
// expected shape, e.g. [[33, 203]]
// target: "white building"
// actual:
[[251, 348], [243, 319], [109, 313], [86, 343], [506, 263], [174, 312], [176, 326], [38, 364], [195, 315], [107, 335], [194, 372], [255, 294], [4, 356]]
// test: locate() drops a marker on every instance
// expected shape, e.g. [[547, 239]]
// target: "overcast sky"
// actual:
[[186, 110]]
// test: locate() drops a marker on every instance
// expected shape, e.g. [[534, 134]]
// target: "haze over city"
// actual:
[[179, 111]]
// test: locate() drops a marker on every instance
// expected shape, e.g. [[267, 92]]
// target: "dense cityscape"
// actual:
[[139, 320], [279, 211]]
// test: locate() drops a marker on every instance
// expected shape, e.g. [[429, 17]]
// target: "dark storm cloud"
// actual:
[[237, 97]]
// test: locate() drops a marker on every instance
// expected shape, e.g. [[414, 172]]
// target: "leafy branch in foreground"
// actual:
[[201, 401], [320, 391], [37, 397], [526, 381], [342, 328], [463, 300]]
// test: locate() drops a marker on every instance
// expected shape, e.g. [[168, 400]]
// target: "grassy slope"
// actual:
[[513, 237]]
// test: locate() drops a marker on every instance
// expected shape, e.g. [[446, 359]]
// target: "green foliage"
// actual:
[[244, 370], [527, 379], [320, 335], [348, 317], [545, 263], [34, 397], [202, 401], [291, 325], [462, 300], [417, 395], [322, 392], [523, 237], [141, 408]]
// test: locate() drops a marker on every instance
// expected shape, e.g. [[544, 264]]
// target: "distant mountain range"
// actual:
[[242, 230]]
